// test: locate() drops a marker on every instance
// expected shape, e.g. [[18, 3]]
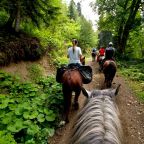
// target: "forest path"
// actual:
[[131, 111]]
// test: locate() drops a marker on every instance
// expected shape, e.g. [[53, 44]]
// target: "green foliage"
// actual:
[[53, 38], [37, 11], [35, 72], [119, 17], [14, 49], [60, 61], [6, 138], [135, 73], [135, 45], [3, 17], [87, 35], [73, 13], [29, 112]]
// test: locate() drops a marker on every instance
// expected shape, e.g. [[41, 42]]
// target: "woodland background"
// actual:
[[30, 30]]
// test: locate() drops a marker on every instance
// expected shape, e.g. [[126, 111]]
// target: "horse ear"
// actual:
[[86, 92], [117, 89]]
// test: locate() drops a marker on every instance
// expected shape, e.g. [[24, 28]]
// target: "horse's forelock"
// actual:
[[107, 92]]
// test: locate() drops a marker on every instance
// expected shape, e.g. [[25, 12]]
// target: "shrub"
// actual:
[[29, 112]]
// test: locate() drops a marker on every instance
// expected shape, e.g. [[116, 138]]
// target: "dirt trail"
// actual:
[[131, 111]]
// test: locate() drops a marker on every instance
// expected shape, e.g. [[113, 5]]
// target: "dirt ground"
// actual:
[[131, 109]]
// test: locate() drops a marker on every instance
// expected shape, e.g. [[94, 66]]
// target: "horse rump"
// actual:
[[109, 70]]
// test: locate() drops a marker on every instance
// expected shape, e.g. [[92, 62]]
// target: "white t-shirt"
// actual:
[[74, 56]]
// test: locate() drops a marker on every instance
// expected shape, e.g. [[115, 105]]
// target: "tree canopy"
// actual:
[[121, 17], [37, 10]]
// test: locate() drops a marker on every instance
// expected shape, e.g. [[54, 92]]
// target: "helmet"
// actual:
[[110, 43]]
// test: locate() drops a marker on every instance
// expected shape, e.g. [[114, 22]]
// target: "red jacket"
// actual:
[[101, 51]]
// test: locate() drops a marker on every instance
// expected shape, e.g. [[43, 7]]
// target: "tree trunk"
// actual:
[[123, 36], [9, 23], [17, 18]]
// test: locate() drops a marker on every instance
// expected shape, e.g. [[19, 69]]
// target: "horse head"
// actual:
[[110, 92], [98, 121]]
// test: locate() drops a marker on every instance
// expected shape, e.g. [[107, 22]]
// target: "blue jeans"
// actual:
[[73, 65]]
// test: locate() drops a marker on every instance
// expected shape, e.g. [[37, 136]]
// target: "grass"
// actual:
[[133, 71]]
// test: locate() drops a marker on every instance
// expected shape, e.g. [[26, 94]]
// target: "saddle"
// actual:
[[85, 71]]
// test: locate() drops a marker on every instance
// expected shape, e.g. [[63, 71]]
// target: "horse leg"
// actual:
[[76, 104], [67, 104]]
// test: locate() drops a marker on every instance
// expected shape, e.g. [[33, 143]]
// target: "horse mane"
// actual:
[[97, 123]]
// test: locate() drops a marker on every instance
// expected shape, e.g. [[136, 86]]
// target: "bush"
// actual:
[[3, 17], [17, 49], [29, 112]]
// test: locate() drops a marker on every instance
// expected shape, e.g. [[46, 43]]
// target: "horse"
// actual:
[[82, 60], [109, 70], [71, 81], [100, 61], [98, 122]]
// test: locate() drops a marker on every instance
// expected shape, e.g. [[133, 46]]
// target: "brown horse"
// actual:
[[71, 81], [109, 70]]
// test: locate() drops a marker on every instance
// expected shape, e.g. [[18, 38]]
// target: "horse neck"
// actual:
[[94, 118]]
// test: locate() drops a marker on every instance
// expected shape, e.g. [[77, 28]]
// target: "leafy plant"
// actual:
[[35, 72], [29, 112], [134, 72], [6, 138]]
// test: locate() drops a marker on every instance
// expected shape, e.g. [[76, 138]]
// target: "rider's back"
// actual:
[[109, 52]]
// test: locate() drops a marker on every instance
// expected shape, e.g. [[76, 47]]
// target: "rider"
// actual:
[[101, 53], [109, 52], [94, 50], [74, 54], [94, 53]]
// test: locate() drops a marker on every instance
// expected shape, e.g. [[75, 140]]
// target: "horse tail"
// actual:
[[109, 70]]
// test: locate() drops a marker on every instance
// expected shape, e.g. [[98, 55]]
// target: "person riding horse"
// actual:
[[109, 66], [109, 53], [72, 77], [94, 53], [74, 54], [101, 53], [100, 57]]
